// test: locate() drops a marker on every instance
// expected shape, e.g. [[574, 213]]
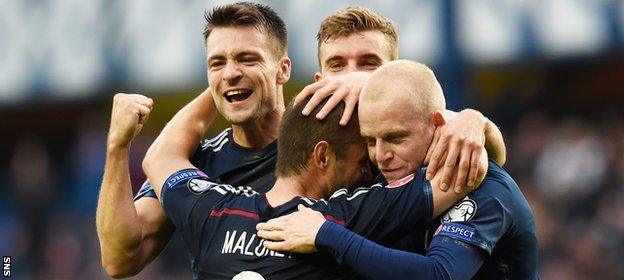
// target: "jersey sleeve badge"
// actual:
[[198, 185], [462, 211]]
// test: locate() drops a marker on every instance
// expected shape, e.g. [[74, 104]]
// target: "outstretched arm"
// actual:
[[445, 259], [171, 151], [306, 230]]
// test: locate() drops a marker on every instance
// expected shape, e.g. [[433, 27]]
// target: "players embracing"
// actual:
[[248, 65]]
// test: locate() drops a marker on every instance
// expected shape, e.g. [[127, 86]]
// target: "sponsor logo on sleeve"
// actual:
[[461, 212], [198, 186]]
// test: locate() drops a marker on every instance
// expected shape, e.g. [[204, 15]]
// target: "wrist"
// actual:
[[116, 146]]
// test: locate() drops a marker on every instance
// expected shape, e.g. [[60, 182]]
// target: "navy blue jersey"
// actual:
[[218, 222], [226, 162], [497, 219], [488, 235]]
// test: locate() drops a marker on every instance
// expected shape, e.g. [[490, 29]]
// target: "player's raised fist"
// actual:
[[129, 113]]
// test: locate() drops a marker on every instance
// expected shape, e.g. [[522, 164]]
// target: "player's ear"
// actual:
[[322, 155], [438, 118], [283, 73], [318, 76]]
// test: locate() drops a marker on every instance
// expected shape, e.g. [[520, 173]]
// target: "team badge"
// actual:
[[198, 186], [461, 212]]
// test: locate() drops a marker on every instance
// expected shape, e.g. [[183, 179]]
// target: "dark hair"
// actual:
[[261, 17], [299, 134]]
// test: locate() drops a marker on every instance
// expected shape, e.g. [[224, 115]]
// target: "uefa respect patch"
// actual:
[[461, 212], [458, 231], [183, 176]]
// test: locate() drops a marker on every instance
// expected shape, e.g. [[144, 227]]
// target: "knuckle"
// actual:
[[444, 135], [435, 156], [118, 98]]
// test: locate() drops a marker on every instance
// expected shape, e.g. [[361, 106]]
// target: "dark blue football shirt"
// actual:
[[497, 219], [490, 234], [218, 224], [226, 162]]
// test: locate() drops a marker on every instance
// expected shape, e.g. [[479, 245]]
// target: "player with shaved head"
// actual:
[[488, 235], [246, 49]]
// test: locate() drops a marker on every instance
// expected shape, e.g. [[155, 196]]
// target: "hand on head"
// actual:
[[456, 152], [344, 87]]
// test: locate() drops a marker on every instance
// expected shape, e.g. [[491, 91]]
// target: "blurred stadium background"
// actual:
[[549, 72]]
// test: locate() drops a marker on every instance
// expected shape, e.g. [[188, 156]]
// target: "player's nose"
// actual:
[[382, 153], [232, 72]]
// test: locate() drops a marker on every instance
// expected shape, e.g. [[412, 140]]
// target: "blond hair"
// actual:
[[357, 19]]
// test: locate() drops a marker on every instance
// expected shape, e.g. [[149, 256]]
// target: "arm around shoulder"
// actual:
[[171, 151]]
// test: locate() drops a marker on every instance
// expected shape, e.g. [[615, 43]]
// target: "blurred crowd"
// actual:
[[571, 170]]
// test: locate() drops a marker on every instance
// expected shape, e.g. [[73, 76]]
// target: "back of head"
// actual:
[[357, 19], [405, 81], [299, 134], [247, 14]]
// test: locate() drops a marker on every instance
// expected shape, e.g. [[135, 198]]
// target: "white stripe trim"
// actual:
[[307, 200], [356, 193], [215, 141], [220, 135], [221, 145]]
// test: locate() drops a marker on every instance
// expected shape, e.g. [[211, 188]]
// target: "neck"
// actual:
[[259, 134], [289, 187]]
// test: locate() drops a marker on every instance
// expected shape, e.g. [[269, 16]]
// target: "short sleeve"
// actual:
[[480, 219], [146, 190], [199, 157], [183, 191]]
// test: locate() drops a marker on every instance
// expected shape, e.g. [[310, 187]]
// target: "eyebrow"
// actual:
[[245, 53], [387, 133], [334, 58], [242, 53], [216, 56], [371, 55]]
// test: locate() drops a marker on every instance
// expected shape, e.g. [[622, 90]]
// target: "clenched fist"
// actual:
[[129, 113]]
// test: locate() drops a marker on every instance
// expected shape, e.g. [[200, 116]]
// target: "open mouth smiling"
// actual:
[[237, 95]]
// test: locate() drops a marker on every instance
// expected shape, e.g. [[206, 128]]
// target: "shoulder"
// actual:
[[498, 199], [194, 182], [498, 188]]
